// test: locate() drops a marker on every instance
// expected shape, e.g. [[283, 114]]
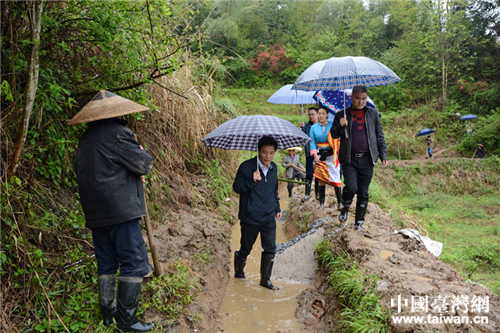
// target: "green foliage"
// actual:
[[486, 130], [171, 293], [456, 201], [354, 290]]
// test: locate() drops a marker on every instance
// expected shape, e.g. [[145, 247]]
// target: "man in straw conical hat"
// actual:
[[110, 166], [292, 164]]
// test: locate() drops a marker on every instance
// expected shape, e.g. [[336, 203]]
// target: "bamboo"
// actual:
[[291, 181], [475, 151], [298, 168]]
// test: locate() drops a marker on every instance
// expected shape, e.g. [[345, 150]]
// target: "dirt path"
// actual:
[[405, 268]]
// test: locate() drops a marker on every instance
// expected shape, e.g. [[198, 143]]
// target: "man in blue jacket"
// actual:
[[110, 166], [362, 143], [259, 208]]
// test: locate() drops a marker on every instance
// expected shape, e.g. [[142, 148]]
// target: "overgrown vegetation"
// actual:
[[354, 290], [456, 202]]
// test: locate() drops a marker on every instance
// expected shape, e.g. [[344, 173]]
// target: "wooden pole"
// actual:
[[298, 168], [475, 151], [291, 181], [149, 231]]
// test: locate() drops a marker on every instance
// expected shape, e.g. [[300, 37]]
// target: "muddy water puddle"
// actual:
[[385, 254], [248, 307]]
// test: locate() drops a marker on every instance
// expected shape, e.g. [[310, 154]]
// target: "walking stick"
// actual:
[[474, 153], [149, 231]]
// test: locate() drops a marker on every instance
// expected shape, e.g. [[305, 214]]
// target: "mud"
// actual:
[[405, 269]]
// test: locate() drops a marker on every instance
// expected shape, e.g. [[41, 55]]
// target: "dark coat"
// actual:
[[307, 129], [109, 164], [259, 202], [376, 140]]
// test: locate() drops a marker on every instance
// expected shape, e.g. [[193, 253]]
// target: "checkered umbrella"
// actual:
[[345, 73], [244, 132]]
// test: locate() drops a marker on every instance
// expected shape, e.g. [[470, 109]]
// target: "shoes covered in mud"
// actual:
[[129, 293], [266, 268], [239, 265], [316, 188], [360, 215], [344, 211], [308, 190], [107, 299], [321, 196], [338, 194]]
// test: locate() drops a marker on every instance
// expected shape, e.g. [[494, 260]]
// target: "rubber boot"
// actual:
[[360, 215], [321, 196], [129, 293], [239, 264], [266, 268], [308, 190], [316, 188], [345, 210], [107, 297], [290, 192], [338, 194]]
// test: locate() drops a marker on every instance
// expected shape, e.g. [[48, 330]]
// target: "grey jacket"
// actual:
[[109, 164], [376, 140], [290, 170]]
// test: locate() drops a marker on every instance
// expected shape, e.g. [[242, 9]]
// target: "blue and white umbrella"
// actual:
[[468, 117], [285, 95], [345, 73], [334, 100], [425, 131]]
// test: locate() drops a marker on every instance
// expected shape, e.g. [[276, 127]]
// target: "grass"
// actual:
[[354, 290], [456, 203]]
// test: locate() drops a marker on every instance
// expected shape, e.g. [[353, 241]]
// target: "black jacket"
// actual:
[[307, 129], [259, 202], [109, 164], [376, 140]]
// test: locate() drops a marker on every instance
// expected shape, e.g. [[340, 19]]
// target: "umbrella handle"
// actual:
[[345, 117]]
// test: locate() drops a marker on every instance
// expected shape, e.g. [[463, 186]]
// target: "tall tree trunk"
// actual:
[[35, 15], [445, 76]]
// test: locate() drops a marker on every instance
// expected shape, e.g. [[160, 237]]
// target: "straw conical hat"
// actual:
[[106, 105], [295, 148]]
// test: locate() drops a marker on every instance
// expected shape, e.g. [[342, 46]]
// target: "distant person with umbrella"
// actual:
[[362, 143], [110, 166], [259, 208], [429, 145], [324, 149], [469, 128], [312, 113], [293, 167]]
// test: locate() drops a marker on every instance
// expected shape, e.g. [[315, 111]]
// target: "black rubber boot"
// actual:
[[321, 196], [107, 297], [344, 211], [360, 215], [316, 188], [129, 293], [290, 192], [266, 268], [308, 190], [239, 264], [338, 194]]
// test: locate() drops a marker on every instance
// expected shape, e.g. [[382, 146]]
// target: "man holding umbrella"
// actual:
[[259, 208], [110, 166], [362, 143]]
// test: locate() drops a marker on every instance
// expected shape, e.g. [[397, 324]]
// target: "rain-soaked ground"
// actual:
[[250, 308]]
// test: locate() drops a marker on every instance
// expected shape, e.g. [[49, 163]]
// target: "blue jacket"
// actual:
[[259, 202]]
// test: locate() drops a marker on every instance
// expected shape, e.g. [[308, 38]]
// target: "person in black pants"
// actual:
[[259, 209], [312, 113], [360, 148]]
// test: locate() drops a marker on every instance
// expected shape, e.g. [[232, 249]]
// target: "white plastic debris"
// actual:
[[433, 247]]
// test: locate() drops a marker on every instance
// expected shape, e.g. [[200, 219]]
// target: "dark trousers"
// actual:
[[299, 175], [249, 234], [309, 167], [357, 177], [121, 245]]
